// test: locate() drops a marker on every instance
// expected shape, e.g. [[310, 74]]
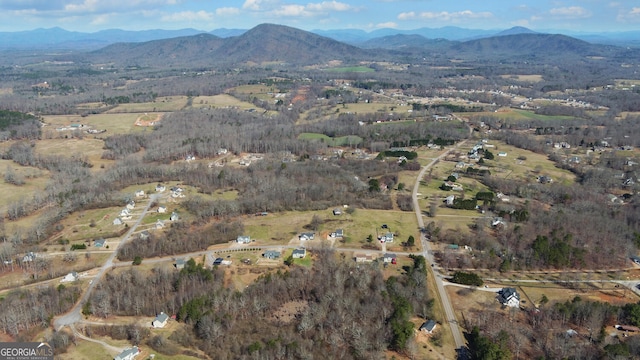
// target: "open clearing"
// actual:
[[351, 69], [35, 181], [524, 78], [161, 104], [517, 115], [221, 101]]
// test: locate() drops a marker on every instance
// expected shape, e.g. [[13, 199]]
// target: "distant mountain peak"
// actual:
[[516, 30]]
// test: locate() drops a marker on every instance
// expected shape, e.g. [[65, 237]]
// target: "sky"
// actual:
[[95, 15]]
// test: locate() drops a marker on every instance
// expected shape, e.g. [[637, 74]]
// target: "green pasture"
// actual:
[[220, 101], [518, 115], [161, 104]]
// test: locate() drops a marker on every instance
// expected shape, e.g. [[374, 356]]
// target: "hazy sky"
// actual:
[[95, 15]]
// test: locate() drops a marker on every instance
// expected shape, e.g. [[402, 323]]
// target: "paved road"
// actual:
[[75, 314], [426, 252]]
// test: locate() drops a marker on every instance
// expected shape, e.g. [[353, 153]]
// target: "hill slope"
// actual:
[[268, 42]]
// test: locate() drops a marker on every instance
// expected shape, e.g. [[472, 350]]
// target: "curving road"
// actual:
[[427, 253], [75, 314]]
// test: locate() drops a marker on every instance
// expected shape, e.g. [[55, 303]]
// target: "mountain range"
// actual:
[[57, 38], [286, 45]]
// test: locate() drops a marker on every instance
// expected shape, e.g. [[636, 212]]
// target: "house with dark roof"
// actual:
[[299, 253], [306, 236], [428, 326], [509, 297], [160, 321], [271, 254], [389, 258], [180, 264]]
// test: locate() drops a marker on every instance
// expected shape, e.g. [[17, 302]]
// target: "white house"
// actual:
[[117, 221], [162, 209], [160, 188], [128, 354], [299, 253], [131, 205], [139, 193], [388, 237], [160, 321], [29, 257], [509, 297], [449, 200], [159, 224], [306, 236], [125, 212], [389, 258], [70, 277], [174, 216], [243, 239]]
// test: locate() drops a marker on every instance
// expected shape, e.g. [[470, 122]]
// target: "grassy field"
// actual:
[[89, 147], [35, 181], [77, 226], [221, 101], [528, 167], [114, 123], [255, 89], [516, 115], [339, 141], [526, 78], [351, 69], [278, 228], [86, 350], [161, 104]]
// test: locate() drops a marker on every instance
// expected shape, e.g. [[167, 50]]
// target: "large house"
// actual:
[[361, 258], [243, 239], [128, 354], [70, 277], [509, 297], [387, 238], [299, 253], [389, 258], [306, 236], [271, 254], [160, 321]]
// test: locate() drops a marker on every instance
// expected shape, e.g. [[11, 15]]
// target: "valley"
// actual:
[[279, 194]]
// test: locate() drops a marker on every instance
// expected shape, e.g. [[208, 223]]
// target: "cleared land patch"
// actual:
[[221, 101]]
